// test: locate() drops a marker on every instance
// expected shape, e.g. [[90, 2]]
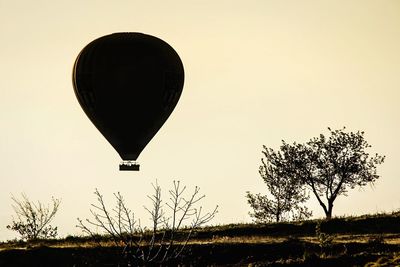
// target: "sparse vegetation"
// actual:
[[272, 244], [169, 234], [282, 235], [33, 219]]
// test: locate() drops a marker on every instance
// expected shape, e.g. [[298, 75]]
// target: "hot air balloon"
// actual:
[[128, 84]]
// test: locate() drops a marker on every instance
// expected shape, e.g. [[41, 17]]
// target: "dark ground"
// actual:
[[357, 241]]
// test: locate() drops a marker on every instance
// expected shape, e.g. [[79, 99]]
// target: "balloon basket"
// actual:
[[129, 166]]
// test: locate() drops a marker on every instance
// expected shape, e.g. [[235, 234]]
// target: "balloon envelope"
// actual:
[[128, 84]]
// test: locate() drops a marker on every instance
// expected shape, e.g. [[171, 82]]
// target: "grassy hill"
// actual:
[[369, 240]]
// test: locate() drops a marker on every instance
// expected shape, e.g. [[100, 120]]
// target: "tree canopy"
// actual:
[[285, 194], [332, 165]]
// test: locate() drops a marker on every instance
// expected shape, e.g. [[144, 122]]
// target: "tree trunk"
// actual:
[[328, 212], [278, 212]]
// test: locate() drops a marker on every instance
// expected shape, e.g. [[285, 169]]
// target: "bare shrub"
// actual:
[[168, 235], [33, 220]]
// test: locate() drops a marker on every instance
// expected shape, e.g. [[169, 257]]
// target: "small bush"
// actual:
[[33, 220]]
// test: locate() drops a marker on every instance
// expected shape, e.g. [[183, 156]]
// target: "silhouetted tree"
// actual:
[[330, 166], [33, 220], [285, 193]]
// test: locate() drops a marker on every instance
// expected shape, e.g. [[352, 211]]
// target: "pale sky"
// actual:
[[256, 72]]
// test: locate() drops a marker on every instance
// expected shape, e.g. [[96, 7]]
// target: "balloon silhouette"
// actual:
[[128, 84]]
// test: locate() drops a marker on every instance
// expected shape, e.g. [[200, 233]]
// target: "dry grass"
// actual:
[[85, 242], [241, 240], [394, 260], [357, 238], [91, 244], [369, 238], [338, 239]]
